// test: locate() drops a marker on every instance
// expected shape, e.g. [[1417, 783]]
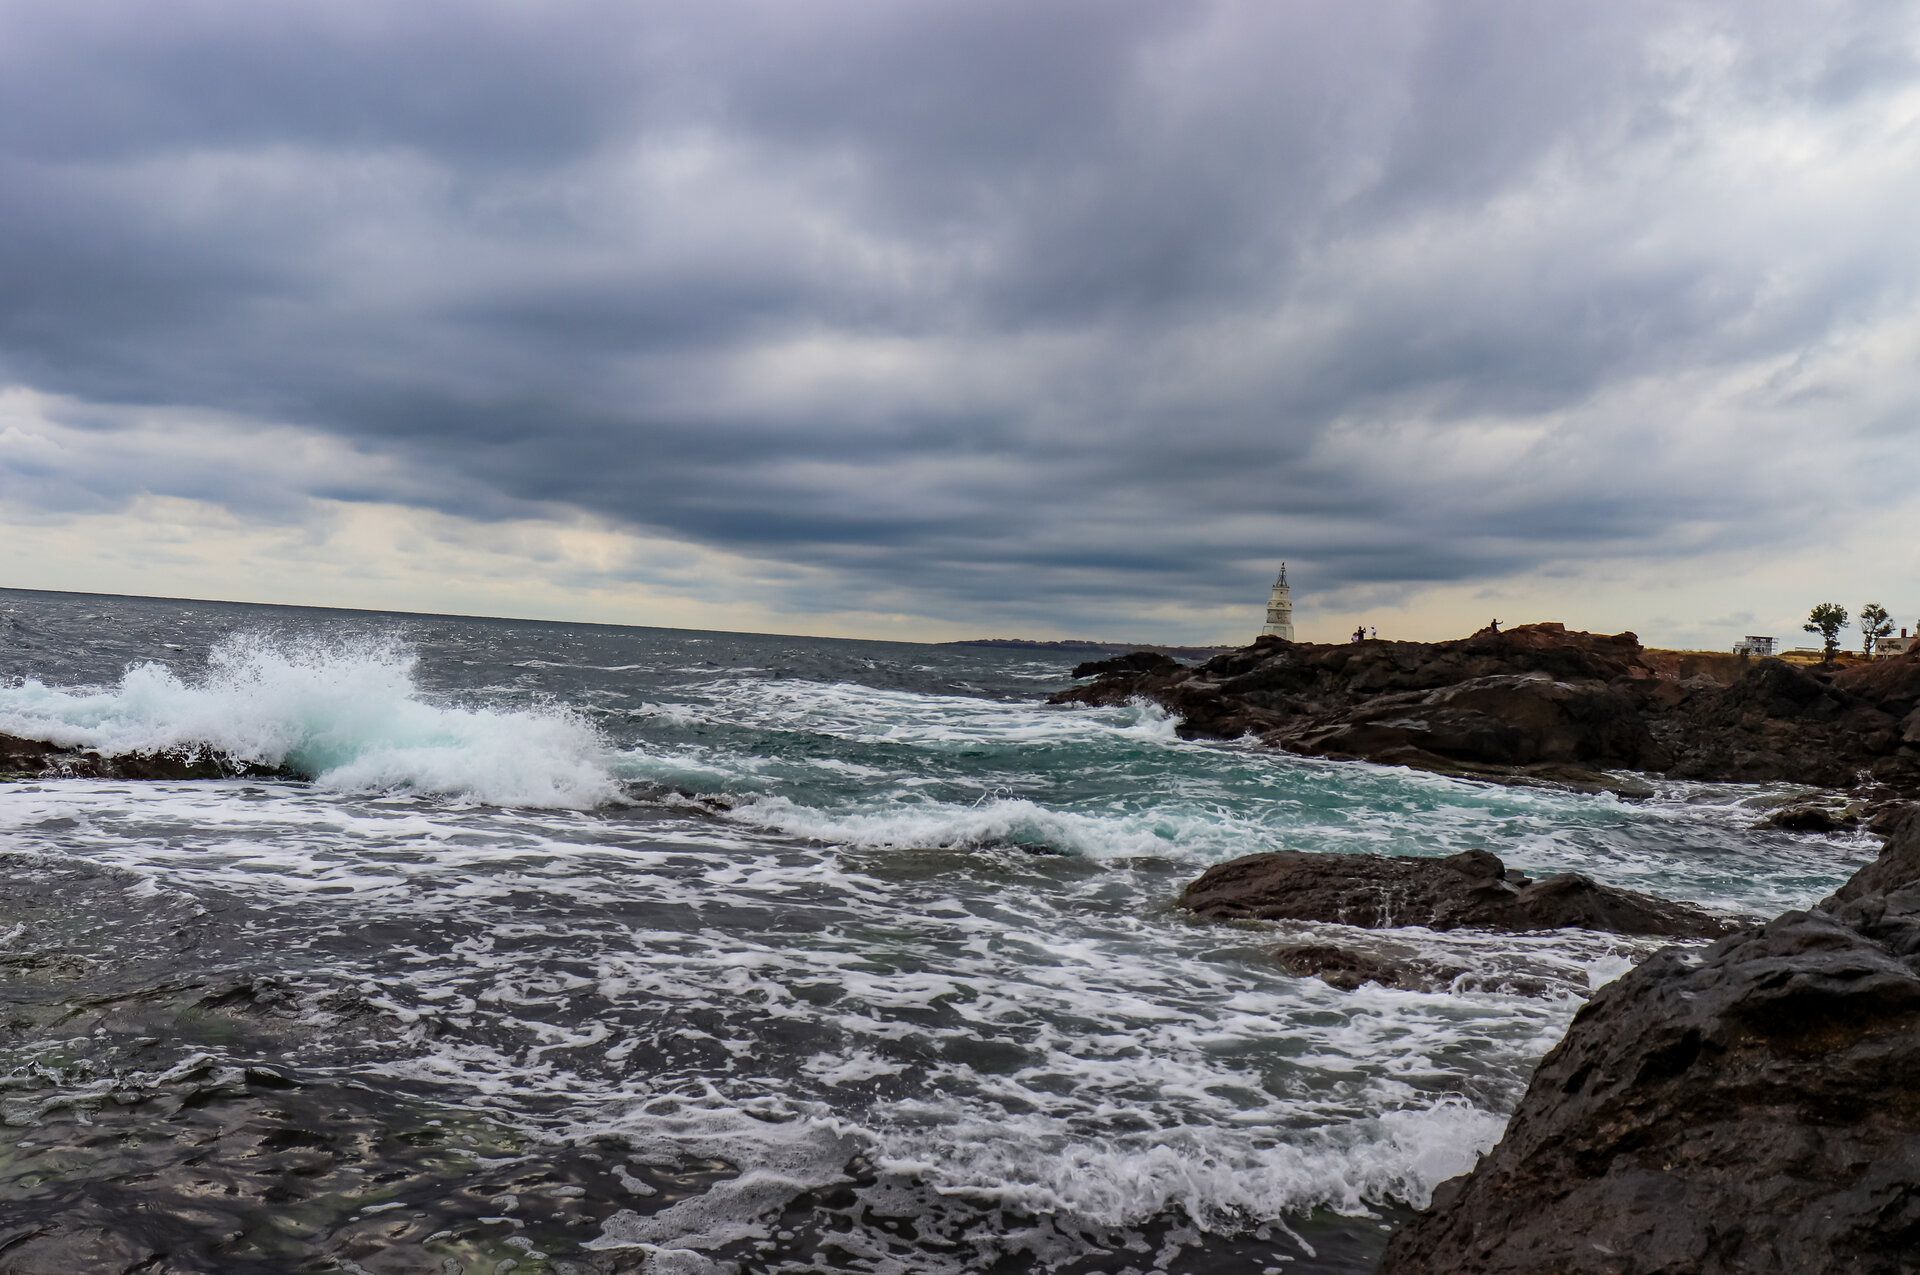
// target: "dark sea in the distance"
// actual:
[[860, 943]]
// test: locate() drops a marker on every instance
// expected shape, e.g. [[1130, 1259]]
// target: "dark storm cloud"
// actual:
[[977, 304]]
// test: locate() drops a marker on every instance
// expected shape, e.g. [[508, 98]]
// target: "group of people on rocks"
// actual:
[[1362, 632]]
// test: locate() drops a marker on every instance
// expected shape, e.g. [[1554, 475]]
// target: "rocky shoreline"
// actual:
[[38, 759], [1747, 1107], [1741, 1107], [1539, 704]]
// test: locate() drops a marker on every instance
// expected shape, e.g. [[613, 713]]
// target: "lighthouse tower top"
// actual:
[[1280, 609]]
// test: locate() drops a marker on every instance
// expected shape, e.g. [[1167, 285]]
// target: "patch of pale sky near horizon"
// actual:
[[388, 557], [395, 558], [384, 555]]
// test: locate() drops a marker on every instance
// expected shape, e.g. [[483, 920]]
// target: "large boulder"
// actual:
[[1472, 889], [1748, 1108]]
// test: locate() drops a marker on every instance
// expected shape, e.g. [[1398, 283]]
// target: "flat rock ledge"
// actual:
[[1472, 889], [1749, 1107], [38, 759]]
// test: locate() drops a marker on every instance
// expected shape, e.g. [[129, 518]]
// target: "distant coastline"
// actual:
[[1097, 648], [1091, 648]]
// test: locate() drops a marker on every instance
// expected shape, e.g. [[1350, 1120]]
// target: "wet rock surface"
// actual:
[[1539, 704], [1748, 1107], [1811, 818], [1473, 889], [1348, 968], [37, 759], [1131, 662], [148, 1122]]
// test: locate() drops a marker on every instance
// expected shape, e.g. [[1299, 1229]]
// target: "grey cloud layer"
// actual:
[[988, 307]]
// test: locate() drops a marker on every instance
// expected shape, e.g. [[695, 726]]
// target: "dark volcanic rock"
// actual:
[[1883, 821], [1347, 969], [1504, 719], [37, 759], [1810, 818], [1472, 889], [1746, 1108], [1540, 704], [1131, 662], [1896, 870]]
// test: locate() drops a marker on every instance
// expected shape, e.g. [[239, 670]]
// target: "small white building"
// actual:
[[1755, 646], [1280, 609], [1891, 645]]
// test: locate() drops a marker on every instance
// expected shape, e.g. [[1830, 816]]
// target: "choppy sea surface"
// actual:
[[862, 929]]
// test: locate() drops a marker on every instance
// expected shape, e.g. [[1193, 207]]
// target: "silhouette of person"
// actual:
[[1494, 625]]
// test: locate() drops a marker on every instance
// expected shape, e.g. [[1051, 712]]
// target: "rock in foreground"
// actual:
[[1747, 1108], [1473, 889]]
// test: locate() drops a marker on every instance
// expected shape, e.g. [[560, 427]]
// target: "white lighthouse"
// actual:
[[1280, 609]]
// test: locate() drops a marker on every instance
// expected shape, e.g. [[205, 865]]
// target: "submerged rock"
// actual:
[[1810, 818], [1746, 1108], [1472, 889], [1348, 968], [38, 759]]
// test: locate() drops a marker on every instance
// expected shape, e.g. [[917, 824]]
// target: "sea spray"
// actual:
[[348, 714]]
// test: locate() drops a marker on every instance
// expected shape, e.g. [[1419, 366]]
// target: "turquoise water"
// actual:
[[796, 905]]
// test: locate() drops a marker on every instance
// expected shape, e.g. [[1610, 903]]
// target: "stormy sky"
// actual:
[[940, 318]]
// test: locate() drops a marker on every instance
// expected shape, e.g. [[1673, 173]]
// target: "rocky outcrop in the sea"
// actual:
[[37, 759], [1538, 703], [1749, 1107], [1472, 889]]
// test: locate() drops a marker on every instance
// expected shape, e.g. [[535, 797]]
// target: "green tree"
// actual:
[[1875, 624], [1827, 620]]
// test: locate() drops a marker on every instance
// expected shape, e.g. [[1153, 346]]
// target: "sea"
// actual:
[[841, 955]]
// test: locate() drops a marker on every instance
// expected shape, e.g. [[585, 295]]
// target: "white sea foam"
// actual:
[[349, 715], [1015, 821], [849, 711]]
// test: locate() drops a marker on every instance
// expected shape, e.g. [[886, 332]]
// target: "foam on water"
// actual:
[[904, 824], [348, 714]]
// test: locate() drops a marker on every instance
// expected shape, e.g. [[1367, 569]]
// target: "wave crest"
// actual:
[[348, 714]]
